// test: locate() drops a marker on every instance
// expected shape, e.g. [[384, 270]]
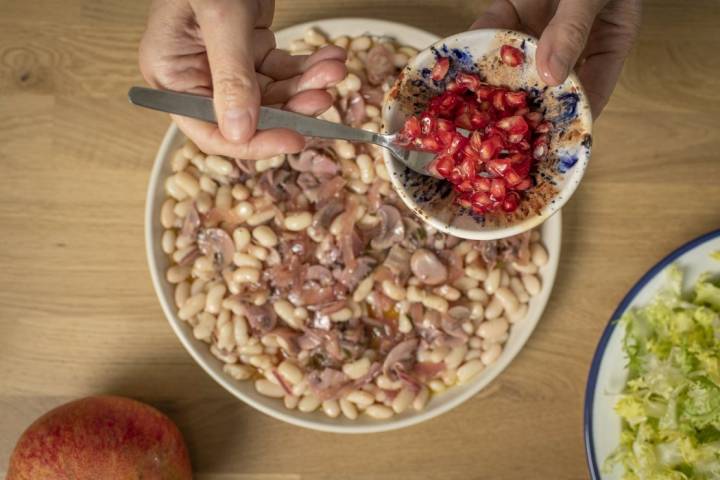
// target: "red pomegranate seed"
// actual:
[[444, 104], [466, 169], [481, 184], [468, 80], [511, 56], [524, 184], [497, 189], [514, 124], [498, 100], [498, 166], [430, 144], [533, 119], [523, 145], [511, 202], [444, 125], [440, 69], [444, 138], [476, 140], [516, 99], [512, 177], [543, 127], [540, 151], [411, 129], [490, 147], [484, 92], [481, 200], [463, 121], [479, 120], [456, 144], [443, 165], [428, 124]]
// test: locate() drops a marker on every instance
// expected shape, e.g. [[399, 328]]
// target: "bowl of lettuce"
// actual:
[[652, 405]]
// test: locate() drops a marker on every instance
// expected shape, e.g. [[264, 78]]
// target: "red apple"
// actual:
[[101, 438]]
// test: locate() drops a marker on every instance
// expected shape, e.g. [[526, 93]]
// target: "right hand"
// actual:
[[224, 48]]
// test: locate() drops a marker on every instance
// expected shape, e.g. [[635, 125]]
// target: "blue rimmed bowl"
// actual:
[[556, 178]]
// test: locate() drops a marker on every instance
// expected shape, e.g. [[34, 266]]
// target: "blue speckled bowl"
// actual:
[[557, 177]]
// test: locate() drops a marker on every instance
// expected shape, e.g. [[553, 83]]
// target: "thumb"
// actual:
[[500, 14], [563, 40], [227, 30]]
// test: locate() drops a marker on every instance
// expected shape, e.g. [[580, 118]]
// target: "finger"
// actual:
[[500, 14], [280, 65], [311, 102], [263, 144], [598, 76], [564, 39], [228, 28], [321, 75]]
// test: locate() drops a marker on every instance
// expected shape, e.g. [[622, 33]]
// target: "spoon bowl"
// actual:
[[557, 177]]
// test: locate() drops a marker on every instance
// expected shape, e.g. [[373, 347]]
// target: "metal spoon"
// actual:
[[197, 106]]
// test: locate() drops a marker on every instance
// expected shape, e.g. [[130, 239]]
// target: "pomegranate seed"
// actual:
[[516, 99], [479, 120], [490, 147], [533, 118], [516, 137], [481, 184], [427, 124], [444, 125], [484, 92], [511, 56], [468, 80], [498, 166], [444, 104], [514, 124], [466, 169], [511, 202], [464, 201], [481, 199], [497, 189], [540, 151], [430, 144], [512, 177], [543, 127], [469, 152], [476, 140], [463, 121], [411, 129], [498, 100], [523, 145], [444, 138], [440, 69], [456, 144], [443, 164], [523, 168], [524, 184]]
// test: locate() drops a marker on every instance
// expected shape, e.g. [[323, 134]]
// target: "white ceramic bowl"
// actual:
[[608, 371], [245, 391], [570, 141]]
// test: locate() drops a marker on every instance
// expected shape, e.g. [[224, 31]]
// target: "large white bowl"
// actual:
[[608, 371], [245, 391]]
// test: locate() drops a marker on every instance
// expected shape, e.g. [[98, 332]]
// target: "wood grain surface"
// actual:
[[78, 314]]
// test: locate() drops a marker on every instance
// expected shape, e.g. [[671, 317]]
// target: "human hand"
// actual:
[[224, 48], [595, 36]]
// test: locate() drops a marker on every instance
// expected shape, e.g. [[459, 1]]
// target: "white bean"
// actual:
[[494, 329], [363, 289], [240, 192], [449, 293], [379, 412], [436, 303], [174, 190], [291, 401], [466, 283], [384, 382], [507, 298], [223, 197], [238, 371], [359, 44], [491, 354], [182, 293], [261, 253], [393, 290], [344, 149], [357, 369], [529, 267], [241, 237], [225, 339], [214, 298], [402, 400], [265, 236], [519, 290], [309, 403], [260, 217], [177, 273], [244, 209], [477, 311], [519, 314], [331, 408], [372, 111], [494, 309], [246, 260], [421, 398], [348, 409], [469, 370], [208, 185], [204, 202], [342, 315], [240, 330], [360, 398], [315, 37], [493, 281], [269, 389], [188, 183], [342, 41], [439, 353], [286, 312], [297, 221], [538, 254], [179, 161], [167, 213], [246, 275], [205, 325], [365, 164], [455, 357], [531, 284], [168, 241], [218, 165], [476, 272], [437, 385], [290, 372], [404, 324]]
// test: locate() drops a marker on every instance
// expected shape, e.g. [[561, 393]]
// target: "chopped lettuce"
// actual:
[[670, 407]]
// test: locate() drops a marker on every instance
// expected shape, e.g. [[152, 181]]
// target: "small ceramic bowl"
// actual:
[[557, 177]]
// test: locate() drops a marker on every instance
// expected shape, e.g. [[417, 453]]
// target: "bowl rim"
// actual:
[[551, 207], [183, 333], [599, 354]]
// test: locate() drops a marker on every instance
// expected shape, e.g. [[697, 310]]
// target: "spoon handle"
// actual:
[[200, 107]]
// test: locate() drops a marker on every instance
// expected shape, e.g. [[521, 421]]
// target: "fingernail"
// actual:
[[558, 69], [236, 124]]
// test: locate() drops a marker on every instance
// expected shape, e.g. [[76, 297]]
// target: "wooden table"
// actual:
[[78, 314]]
